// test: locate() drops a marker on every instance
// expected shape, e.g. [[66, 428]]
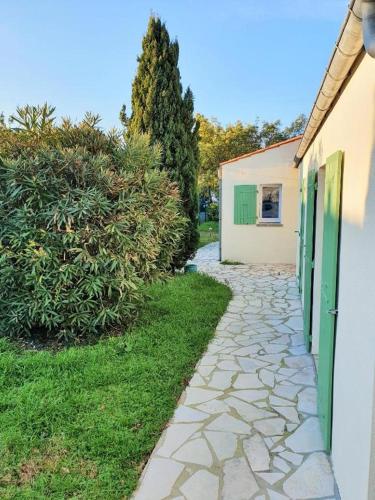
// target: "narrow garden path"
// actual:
[[246, 426]]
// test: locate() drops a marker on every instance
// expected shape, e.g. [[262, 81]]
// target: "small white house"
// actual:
[[336, 254], [259, 205]]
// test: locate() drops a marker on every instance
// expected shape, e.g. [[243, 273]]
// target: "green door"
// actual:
[[328, 303], [301, 237], [308, 257]]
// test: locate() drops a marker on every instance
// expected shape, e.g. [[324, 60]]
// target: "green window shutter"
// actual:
[[245, 204]]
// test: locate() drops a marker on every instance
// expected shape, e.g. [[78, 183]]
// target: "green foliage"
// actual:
[[36, 129], [80, 234], [213, 211], [208, 233], [229, 262], [33, 118], [161, 109], [81, 422], [218, 143]]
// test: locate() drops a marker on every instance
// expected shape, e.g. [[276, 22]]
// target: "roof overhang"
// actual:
[[355, 37]]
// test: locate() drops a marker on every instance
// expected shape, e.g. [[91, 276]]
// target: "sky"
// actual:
[[243, 59]]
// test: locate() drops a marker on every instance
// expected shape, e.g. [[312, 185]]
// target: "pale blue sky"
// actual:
[[242, 58]]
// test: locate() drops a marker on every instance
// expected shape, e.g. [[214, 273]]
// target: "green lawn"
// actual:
[[208, 233], [80, 423]]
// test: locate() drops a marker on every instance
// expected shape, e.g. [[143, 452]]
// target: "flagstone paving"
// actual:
[[246, 426]]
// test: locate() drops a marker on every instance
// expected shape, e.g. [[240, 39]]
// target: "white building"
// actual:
[[259, 205], [336, 256]]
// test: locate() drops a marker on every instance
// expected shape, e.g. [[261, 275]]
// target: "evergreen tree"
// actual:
[[160, 109]]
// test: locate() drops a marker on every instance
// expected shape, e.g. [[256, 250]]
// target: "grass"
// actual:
[[81, 422], [208, 233], [228, 262]]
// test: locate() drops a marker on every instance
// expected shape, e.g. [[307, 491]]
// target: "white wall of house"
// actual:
[[261, 243], [350, 127]]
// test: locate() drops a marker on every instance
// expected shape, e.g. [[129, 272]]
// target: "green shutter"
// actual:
[[245, 204], [328, 298]]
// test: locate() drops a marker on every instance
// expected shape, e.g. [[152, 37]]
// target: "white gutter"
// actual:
[[348, 46]]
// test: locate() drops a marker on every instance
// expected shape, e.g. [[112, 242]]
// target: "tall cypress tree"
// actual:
[[160, 108]]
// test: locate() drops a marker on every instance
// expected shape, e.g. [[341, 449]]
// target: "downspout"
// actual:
[[356, 35], [348, 46], [220, 175], [368, 22]]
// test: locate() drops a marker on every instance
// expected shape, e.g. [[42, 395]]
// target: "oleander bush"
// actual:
[[82, 230]]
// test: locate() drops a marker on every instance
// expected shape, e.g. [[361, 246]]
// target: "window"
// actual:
[[270, 203]]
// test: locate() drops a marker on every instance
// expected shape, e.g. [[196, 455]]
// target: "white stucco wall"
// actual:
[[351, 127], [261, 243]]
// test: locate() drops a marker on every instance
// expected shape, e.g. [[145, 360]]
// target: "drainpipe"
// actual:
[[220, 175], [356, 36], [368, 22], [348, 46]]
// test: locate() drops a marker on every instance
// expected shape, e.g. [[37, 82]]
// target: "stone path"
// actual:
[[246, 426]]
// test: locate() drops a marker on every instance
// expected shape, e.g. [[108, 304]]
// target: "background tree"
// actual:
[[160, 109], [218, 143]]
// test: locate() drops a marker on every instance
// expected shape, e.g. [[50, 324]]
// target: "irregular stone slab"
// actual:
[[228, 365], [287, 391], [247, 351], [239, 481], [298, 350], [313, 479], [304, 377], [257, 453], [248, 411], [187, 414], [271, 477], [270, 426], [267, 377], [297, 339], [223, 443], [274, 348], [221, 379], [197, 381], [228, 423], [247, 381], [295, 323], [294, 458], [194, 452], [279, 463], [250, 395], [214, 406], [201, 481], [208, 360], [307, 400], [307, 437], [289, 372], [158, 479], [196, 395], [175, 436], [299, 361], [288, 412], [291, 427], [276, 401], [205, 370], [272, 358], [276, 496], [251, 365]]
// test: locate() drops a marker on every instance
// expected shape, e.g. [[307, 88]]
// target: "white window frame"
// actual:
[[267, 220]]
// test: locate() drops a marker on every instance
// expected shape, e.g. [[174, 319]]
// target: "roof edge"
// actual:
[[262, 150], [348, 47]]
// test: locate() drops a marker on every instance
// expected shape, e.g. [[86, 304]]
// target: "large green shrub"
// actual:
[[80, 234]]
